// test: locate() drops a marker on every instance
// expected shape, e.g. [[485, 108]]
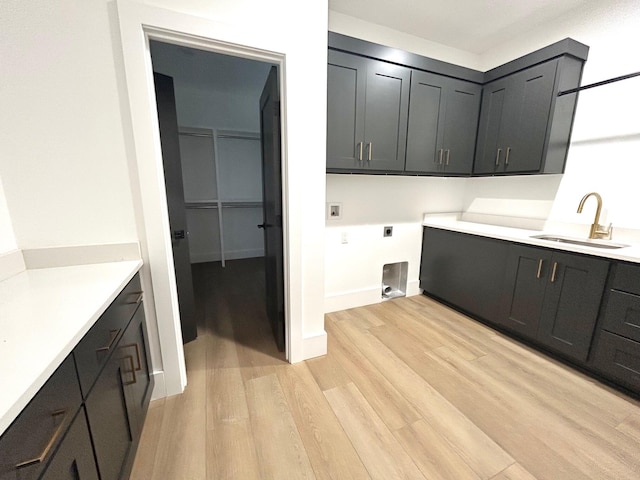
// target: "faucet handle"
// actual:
[[602, 232]]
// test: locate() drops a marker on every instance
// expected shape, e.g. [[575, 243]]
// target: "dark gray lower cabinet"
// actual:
[[464, 270], [617, 348], [85, 422], [74, 458], [553, 298]]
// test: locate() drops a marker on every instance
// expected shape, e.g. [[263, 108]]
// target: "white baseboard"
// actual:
[[360, 298], [159, 386], [314, 346]]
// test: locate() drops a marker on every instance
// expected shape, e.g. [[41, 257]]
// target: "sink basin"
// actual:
[[587, 242]]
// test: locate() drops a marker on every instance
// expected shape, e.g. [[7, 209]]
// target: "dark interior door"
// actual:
[[272, 204], [168, 121]]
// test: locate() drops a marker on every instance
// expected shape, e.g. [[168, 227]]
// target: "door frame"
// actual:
[[138, 25]]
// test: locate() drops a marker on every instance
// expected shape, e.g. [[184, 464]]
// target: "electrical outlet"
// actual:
[[345, 237], [334, 211], [388, 231]]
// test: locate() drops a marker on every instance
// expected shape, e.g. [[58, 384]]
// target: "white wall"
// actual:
[[62, 152], [353, 272], [605, 148], [7, 238]]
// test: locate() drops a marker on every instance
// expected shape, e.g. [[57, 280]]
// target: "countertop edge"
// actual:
[[51, 364], [452, 222]]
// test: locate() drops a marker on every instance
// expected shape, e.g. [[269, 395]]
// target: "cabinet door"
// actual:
[[527, 274], [494, 98], [136, 375], [74, 458], [460, 126], [571, 304], [464, 270], [426, 118], [385, 118], [109, 419], [529, 112], [346, 81]]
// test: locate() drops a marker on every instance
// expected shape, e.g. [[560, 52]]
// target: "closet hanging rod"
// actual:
[[599, 84], [239, 137], [195, 206]]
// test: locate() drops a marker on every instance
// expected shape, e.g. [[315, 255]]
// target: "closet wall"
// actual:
[[217, 101]]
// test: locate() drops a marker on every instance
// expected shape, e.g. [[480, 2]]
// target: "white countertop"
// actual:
[[521, 235], [43, 315]]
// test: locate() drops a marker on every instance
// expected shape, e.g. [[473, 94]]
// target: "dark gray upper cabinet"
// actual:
[[513, 124], [521, 126], [443, 120], [367, 107]]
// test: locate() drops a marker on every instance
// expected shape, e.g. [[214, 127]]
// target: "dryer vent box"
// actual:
[[394, 280]]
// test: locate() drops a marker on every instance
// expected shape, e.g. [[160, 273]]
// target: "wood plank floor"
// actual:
[[409, 390]]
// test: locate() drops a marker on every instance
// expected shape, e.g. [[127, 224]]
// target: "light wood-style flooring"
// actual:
[[410, 389]]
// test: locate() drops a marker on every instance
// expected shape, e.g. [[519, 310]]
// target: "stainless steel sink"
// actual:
[[587, 242]]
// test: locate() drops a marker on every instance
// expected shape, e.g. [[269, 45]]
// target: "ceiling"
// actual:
[[471, 25]]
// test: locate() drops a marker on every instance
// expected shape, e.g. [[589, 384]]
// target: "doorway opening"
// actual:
[[225, 205]]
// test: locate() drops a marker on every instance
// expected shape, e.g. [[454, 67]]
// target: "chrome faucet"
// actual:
[[597, 230]]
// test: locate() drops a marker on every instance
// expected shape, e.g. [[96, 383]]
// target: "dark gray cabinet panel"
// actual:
[[443, 115], [137, 379], [31, 440], [616, 351], [74, 458], [346, 80], [571, 303], [553, 298], [464, 270], [109, 418], [525, 282], [367, 107], [514, 120]]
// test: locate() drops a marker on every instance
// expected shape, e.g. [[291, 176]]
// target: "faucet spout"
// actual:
[[597, 230]]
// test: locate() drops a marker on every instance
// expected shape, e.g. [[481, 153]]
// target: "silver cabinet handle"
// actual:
[[540, 262], [498, 156], [553, 272], [439, 161], [370, 151], [360, 144], [506, 158], [446, 162]]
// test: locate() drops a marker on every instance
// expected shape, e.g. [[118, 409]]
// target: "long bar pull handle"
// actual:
[[138, 298], [553, 272], [52, 441], [446, 162], [370, 151], [439, 161], [498, 156], [506, 158], [360, 145], [540, 262], [112, 340]]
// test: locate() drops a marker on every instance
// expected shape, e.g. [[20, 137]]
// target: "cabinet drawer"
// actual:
[[626, 278], [619, 359], [28, 444], [94, 350], [622, 315]]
